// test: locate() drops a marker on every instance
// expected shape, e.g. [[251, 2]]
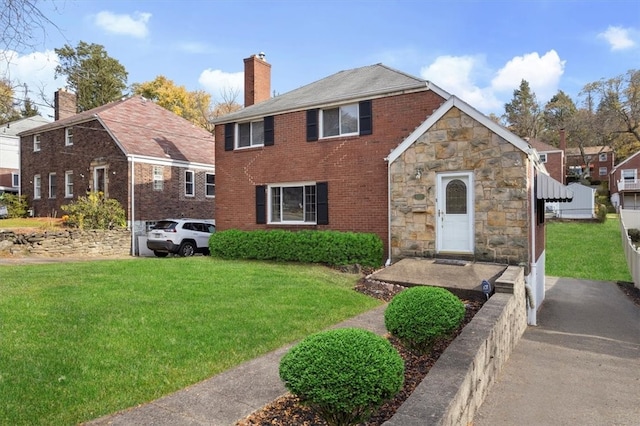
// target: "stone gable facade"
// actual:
[[457, 143]]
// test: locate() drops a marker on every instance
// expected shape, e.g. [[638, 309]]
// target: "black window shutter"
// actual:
[[366, 118], [261, 204], [229, 136], [312, 125], [322, 203], [268, 131]]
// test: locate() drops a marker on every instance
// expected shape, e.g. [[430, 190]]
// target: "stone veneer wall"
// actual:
[[76, 243], [458, 143], [459, 381]]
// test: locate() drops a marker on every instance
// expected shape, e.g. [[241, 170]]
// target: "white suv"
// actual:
[[184, 237]]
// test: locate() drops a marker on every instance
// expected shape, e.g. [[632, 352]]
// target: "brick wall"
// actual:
[[354, 167]]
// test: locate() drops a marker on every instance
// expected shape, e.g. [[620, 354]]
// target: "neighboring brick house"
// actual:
[[10, 151], [155, 163], [601, 161], [625, 183], [376, 150], [553, 159]]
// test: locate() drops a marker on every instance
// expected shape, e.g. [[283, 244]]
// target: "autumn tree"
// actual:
[[556, 116], [522, 114], [194, 106], [92, 74], [8, 110]]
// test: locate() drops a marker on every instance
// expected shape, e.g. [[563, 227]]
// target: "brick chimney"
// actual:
[[64, 104], [563, 141], [257, 80]]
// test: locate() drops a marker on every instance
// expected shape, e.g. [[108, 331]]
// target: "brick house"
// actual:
[[601, 160], [10, 151], [155, 163], [553, 159], [625, 183], [376, 150]]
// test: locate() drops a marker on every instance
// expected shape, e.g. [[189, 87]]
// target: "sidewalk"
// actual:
[[579, 366], [229, 396]]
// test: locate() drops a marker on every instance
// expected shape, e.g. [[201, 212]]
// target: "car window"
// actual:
[[189, 226], [165, 225], [210, 228]]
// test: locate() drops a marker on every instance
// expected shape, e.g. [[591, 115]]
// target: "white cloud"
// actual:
[[618, 38], [457, 74], [37, 71], [460, 76], [218, 82], [135, 26]]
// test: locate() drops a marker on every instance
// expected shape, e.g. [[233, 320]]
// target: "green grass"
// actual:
[[586, 250], [81, 340]]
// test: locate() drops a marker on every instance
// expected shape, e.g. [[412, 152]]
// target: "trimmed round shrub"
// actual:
[[343, 374], [420, 316]]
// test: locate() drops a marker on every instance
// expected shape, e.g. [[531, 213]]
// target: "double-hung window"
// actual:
[[68, 136], [292, 203], [210, 185], [339, 121], [52, 185], [602, 157], [543, 158], [68, 184], [36, 143], [189, 179], [250, 134], [37, 187], [629, 175], [602, 171], [15, 180], [158, 178]]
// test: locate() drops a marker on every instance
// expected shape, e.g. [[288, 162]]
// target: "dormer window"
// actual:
[[68, 136], [340, 121], [250, 134], [36, 143]]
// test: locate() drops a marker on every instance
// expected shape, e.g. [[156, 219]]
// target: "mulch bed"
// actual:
[[287, 410]]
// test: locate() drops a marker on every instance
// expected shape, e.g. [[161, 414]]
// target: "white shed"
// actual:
[[581, 207]]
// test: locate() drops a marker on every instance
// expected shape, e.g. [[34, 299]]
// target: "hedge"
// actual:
[[327, 247]]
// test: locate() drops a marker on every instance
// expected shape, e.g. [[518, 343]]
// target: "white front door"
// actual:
[[454, 213]]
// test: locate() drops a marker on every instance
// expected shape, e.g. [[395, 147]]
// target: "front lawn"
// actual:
[[81, 340], [586, 250]]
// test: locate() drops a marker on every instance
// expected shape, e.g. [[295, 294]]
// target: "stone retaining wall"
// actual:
[[457, 384], [76, 243]]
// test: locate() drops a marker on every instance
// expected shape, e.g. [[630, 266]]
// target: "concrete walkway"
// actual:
[[579, 366]]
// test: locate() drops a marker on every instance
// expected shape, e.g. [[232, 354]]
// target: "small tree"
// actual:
[[16, 204], [94, 211]]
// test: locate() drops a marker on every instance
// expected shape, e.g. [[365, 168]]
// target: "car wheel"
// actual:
[[186, 249], [161, 253]]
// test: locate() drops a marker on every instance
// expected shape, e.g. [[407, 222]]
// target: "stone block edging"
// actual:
[[458, 382]]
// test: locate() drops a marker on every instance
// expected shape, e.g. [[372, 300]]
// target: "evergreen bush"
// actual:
[[16, 204], [327, 247], [420, 316], [343, 374]]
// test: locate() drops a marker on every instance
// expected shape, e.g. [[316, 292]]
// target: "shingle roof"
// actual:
[[142, 128], [350, 85], [542, 146]]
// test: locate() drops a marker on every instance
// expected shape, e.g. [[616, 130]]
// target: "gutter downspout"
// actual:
[[532, 281], [388, 261], [132, 207]]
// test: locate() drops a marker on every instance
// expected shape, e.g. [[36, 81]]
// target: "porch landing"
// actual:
[[463, 278]]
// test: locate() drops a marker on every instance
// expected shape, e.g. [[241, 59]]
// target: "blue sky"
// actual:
[[477, 50]]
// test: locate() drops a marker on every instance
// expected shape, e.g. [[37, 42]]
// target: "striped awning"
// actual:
[[549, 189]]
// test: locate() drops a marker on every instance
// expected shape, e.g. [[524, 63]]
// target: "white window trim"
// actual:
[[68, 184], [251, 144], [36, 142], [629, 174], [37, 187], [15, 180], [543, 158], [52, 195], [207, 184], [602, 157], [339, 135], [602, 171], [158, 178], [68, 136], [193, 183], [288, 222]]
